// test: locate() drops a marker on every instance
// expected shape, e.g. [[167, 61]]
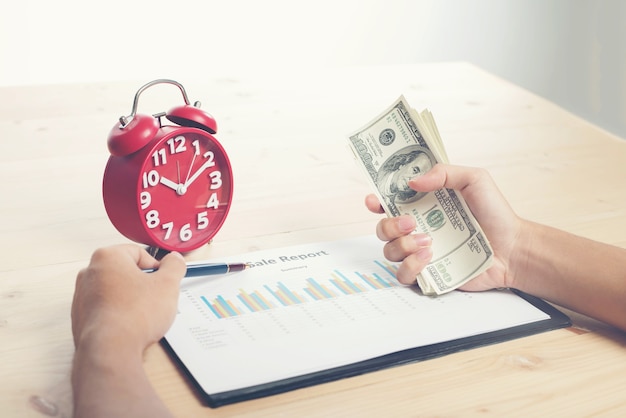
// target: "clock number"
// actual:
[[196, 145], [210, 159], [145, 199], [150, 178], [216, 180], [152, 218], [177, 144], [159, 157], [185, 233], [213, 202], [203, 220], [168, 226]]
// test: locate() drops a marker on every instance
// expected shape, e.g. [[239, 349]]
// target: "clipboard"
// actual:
[[501, 315]]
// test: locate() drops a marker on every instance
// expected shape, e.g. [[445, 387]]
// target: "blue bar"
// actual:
[[313, 295], [382, 281], [349, 283], [384, 267], [275, 295], [319, 288], [334, 282], [260, 301], [245, 302], [225, 305], [288, 292], [211, 307], [367, 282]]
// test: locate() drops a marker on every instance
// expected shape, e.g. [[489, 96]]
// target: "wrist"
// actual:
[[108, 352], [110, 339], [522, 254]]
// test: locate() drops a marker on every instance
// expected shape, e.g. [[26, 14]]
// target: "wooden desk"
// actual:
[[295, 182]]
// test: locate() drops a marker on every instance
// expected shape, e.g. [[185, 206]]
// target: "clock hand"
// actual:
[[190, 166], [179, 188], [169, 183], [197, 173]]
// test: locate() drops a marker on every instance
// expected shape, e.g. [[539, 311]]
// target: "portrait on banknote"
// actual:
[[394, 174]]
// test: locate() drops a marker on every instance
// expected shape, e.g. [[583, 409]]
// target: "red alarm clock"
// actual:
[[168, 186]]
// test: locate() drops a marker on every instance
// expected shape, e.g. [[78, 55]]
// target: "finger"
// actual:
[[400, 248], [172, 267], [373, 204], [448, 176], [120, 255], [143, 259], [413, 264], [391, 228]]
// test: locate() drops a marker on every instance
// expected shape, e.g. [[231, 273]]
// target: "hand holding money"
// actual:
[[393, 148]]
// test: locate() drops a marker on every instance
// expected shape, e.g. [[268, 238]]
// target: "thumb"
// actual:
[[172, 267], [433, 179]]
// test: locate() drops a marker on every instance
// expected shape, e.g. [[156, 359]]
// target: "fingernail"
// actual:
[[406, 224], [423, 240]]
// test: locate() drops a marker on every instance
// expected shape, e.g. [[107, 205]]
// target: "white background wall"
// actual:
[[570, 51]]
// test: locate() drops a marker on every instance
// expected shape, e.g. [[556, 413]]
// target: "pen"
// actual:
[[210, 269]]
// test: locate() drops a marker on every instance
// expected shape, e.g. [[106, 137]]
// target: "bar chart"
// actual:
[[379, 275]]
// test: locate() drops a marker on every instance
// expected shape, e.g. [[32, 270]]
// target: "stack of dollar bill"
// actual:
[[398, 145]]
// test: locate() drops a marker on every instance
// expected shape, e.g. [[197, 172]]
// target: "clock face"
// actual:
[[184, 190]]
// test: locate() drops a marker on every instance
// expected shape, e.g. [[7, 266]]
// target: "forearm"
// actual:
[[109, 381], [574, 272]]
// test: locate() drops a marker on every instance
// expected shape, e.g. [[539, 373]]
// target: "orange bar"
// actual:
[[250, 301], [343, 286], [267, 302], [316, 292], [233, 307], [330, 291], [284, 299], [372, 281], [221, 310], [359, 286], [300, 298]]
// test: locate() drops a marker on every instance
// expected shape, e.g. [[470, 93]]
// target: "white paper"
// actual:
[[361, 312]]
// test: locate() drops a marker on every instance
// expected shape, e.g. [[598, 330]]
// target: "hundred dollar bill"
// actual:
[[398, 145]]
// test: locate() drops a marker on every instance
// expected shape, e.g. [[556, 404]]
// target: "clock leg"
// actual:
[[156, 252]]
